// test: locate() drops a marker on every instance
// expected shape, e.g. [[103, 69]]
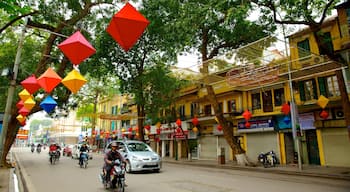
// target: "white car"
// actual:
[[139, 156], [76, 151]]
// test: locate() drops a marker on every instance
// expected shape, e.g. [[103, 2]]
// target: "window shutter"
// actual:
[[301, 90], [322, 86]]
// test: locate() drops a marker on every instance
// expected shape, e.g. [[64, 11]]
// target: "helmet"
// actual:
[[114, 144]]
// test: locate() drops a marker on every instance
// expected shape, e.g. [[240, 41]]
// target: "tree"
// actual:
[[46, 24], [313, 14], [210, 27]]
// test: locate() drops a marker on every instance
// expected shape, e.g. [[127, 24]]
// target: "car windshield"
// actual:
[[138, 147]]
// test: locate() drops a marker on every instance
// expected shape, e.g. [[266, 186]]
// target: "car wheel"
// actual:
[[128, 167]]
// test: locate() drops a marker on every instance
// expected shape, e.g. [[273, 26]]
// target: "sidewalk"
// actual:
[[342, 173]]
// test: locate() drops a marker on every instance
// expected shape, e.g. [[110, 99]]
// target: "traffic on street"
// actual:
[[66, 175]]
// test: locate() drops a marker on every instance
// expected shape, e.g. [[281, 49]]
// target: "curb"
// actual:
[[252, 169], [24, 183]]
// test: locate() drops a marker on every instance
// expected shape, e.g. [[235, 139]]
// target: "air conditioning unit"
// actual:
[[339, 114]]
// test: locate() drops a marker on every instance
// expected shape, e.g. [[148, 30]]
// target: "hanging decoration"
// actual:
[[219, 127], [126, 26], [29, 103], [285, 108], [48, 104], [286, 119], [76, 48], [20, 104], [324, 114], [74, 81], [31, 84], [322, 102], [147, 127], [178, 122], [24, 95], [195, 123], [23, 111], [49, 80], [21, 118], [247, 115]]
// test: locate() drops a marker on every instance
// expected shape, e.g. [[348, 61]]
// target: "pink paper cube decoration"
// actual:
[[49, 80], [76, 48], [127, 26]]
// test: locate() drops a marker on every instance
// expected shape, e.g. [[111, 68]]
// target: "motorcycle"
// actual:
[[32, 149], [38, 149], [53, 157], [83, 160], [117, 177], [268, 159]]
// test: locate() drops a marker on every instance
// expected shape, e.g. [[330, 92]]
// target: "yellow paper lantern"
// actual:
[[24, 95], [20, 118], [74, 81], [29, 103], [322, 101], [195, 129]]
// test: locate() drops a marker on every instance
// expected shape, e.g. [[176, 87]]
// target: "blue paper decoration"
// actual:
[[48, 104], [286, 119]]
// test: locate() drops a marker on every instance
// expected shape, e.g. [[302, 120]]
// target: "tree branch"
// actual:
[[16, 19]]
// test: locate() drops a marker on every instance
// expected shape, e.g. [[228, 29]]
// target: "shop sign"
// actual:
[[257, 124], [306, 121]]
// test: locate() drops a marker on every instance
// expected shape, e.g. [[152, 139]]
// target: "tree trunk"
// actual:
[[140, 121], [10, 137]]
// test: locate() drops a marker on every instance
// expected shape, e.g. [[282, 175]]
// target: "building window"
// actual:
[[182, 111], [221, 107], [267, 101], [194, 109], [329, 86], [348, 17], [328, 43], [231, 106], [256, 101], [307, 90], [304, 49], [278, 96], [114, 110], [207, 109]]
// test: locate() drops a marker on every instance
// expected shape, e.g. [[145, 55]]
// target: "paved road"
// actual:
[[67, 176]]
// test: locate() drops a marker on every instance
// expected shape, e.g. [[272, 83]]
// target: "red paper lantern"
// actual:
[[178, 122], [31, 84], [324, 114], [49, 80], [219, 127], [247, 125], [247, 115], [102, 132], [195, 121], [158, 131], [285, 108], [23, 111], [76, 48], [20, 104], [130, 129], [127, 26]]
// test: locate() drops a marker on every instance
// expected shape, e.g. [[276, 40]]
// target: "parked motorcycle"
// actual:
[[38, 149], [53, 157], [117, 177], [268, 159], [83, 160]]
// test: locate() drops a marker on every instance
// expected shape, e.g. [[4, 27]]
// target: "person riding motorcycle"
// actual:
[[110, 157], [83, 148], [38, 148], [32, 147]]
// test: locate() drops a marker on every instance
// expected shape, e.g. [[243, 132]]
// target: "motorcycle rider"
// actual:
[[83, 148], [32, 147], [38, 148], [110, 157]]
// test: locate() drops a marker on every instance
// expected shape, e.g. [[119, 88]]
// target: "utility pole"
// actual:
[[11, 93]]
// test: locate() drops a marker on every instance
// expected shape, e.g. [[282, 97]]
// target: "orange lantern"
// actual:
[[49, 80], [178, 122], [74, 81], [195, 121]]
